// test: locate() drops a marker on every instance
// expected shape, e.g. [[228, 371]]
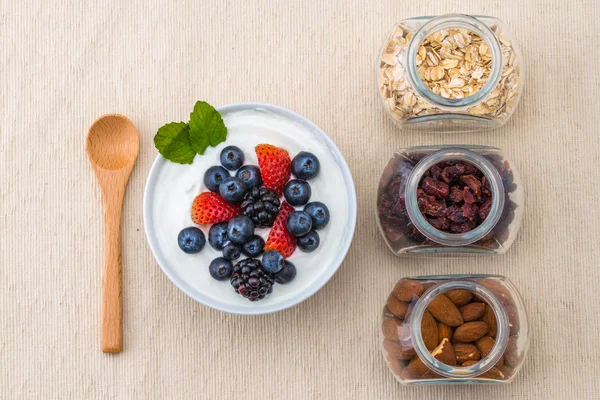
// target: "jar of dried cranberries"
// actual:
[[449, 200], [454, 329], [452, 73]]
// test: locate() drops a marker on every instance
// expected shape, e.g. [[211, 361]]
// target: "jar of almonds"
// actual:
[[450, 73], [454, 329], [449, 200]]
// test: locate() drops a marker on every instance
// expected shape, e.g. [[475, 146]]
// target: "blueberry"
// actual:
[[191, 240], [220, 268], [232, 190], [299, 223], [305, 165], [297, 192], [232, 157], [232, 252], [319, 214], [250, 175], [214, 176], [240, 229], [308, 242], [287, 273], [217, 236], [273, 261], [254, 247]]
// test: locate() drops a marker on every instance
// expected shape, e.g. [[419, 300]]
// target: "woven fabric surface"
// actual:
[[64, 63]]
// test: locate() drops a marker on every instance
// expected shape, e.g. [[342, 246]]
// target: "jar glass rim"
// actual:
[[454, 154], [471, 23], [482, 365]]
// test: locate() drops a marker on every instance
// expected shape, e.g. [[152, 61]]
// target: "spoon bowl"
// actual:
[[112, 145]]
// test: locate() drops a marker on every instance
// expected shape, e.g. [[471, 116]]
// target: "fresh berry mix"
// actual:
[[309, 242], [250, 175], [454, 197], [240, 229], [214, 176], [319, 214], [232, 189], [210, 208], [217, 236], [297, 192], [287, 273], [273, 261], [280, 238], [305, 165], [232, 252], [191, 240], [398, 229], [261, 206], [236, 205], [220, 268], [274, 163], [232, 158], [299, 223], [250, 279], [254, 247]]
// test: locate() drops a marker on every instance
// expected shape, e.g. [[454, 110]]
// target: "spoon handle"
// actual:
[[112, 303]]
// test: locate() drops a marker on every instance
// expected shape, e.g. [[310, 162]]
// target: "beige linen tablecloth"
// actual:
[[64, 63]]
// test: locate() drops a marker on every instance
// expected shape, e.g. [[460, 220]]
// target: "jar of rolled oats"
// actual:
[[451, 73]]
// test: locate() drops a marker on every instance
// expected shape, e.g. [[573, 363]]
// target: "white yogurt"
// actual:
[[176, 186]]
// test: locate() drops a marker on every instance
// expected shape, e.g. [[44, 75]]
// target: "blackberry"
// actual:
[[250, 279], [261, 206]]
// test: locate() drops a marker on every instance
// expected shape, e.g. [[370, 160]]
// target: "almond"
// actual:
[[512, 352], [507, 371], [429, 331], [472, 311], [470, 331], [397, 307], [445, 353], [490, 318], [493, 373], [396, 365], [459, 297], [469, 363], [444, 331], [445, 311], [398, 350], [414, 370], [498, 288], [466, 352], [513, 319], [485, 345], [390, 327], [408, 290]]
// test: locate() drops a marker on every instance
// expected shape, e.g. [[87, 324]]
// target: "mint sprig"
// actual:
[[180, 142], [173, 142]]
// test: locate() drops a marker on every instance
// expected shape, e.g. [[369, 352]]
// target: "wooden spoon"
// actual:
[[112, 145]]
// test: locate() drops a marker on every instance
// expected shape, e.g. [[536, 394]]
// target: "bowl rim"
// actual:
[[335, 264]]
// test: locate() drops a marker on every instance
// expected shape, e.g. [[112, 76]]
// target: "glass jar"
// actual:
[[450, 73], [413, 221], [454, 329]]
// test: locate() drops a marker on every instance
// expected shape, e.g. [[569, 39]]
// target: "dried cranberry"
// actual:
[[456, 194], [452, 172], [486, 190], [473, 183], [429, 205], [484, 210], [435, 188], [470, 211], [455, 214], [441, 223], [468, 196], [460, 228]]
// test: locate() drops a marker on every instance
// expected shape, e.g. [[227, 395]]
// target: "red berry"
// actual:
[[275, 166], [279, 237], [210, 208]]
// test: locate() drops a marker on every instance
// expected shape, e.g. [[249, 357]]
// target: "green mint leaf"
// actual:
[[206, 127], [173, 142]]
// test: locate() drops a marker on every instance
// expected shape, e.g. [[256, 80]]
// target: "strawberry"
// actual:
[[210, 208], [279, 237], [275, 166]]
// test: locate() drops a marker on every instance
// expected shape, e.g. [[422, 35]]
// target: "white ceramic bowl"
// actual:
[[171, 187]]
